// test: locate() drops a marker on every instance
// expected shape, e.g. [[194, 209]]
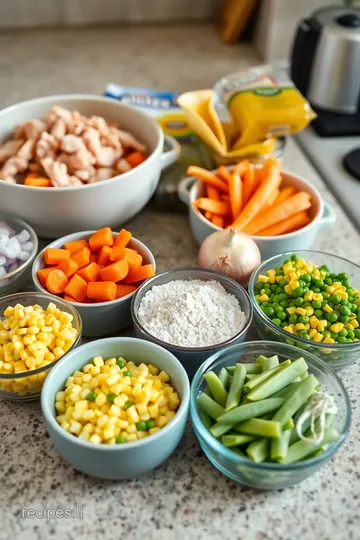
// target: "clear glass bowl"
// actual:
[[267, 475], [14, 281], [337, 355], [32, 381]]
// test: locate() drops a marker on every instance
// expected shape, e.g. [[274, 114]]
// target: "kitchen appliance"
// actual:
[[325, 66]]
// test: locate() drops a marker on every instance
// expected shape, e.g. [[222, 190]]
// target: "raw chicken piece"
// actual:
[[8, 179], [58, 129], [13, 166], [57, 172], [32, 129], [103, 173], [128, 140], [123, 166], [27, 150], [74, 181], [36, 168], [44, 149], [111, 139], [107, 156], [71, 144], [10, 148], [85, 174], [91, 138], [100, 124]]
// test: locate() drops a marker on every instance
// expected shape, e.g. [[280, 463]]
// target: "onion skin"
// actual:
[[231, 253]]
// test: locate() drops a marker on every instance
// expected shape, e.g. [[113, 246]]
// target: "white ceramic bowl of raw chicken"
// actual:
[[58, 211]]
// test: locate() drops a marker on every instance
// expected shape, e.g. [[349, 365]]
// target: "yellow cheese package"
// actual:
[[262, 102]]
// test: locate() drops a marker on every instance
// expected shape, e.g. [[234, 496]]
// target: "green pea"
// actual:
[[343, 302], [267, 290], [351, 334], [283, 324], [276, 299], [111, 398], [341, 339], [333, 276], [350, 298], [303, 319], [328, 281], [269, 311], [348, 340], [344, 319], [278, 308], [331, 317], [150, 424], [336, 299], [127, 373], [318, 313], [316, 304], [120, 440], [298, 292], [358, 311], [294, 258], [306, 278], [283, 297], [326, 295], [258, 286], [343, 276], [91, 396], [353, 308], [357, 333], [319, 283], [120, 363], [258, 301], [343, 332], [279, 290], [347, 284], [279, 271], [302, 283], [273, 287], [315, 289], [326, 333], [284, 304], [128, 404], [334, 335], [286, 261], [306, 289], [281, 315], [344, 310], [306, 304], [293, 319], [298, 301], [276, 321], [282, 283], [141, 426]]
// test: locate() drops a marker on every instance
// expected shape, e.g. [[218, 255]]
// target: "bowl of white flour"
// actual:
[[191, 312]]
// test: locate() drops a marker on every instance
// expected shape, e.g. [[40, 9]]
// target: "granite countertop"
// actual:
[[185, 497]]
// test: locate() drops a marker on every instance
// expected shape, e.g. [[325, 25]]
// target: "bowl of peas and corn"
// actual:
[[268, 415], [36, 330], [117, 407], [311, 300]]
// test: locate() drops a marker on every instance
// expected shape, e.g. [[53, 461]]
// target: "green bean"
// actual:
[[216, 388], [279, 447], [269, 363], [250, 376], [260, 359], [250, 410], [304, 428], [281, 378], [259, 427], [236, 388], [236, 440], [220, 429], [265, 376], [224, 377], [258, 450], [295, 400], [285, 392], [209, 406], [301, 449], [316, 453], [249, 366], [238, 452], [206, 419], [289, 424], [304, 375]]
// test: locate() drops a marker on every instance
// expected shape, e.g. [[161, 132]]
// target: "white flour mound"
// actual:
[[191, 313]]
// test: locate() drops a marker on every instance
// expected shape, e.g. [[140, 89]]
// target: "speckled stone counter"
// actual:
[[185, 498]]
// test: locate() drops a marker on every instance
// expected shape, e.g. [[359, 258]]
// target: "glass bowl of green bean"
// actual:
[[268, 415], [309, 299]]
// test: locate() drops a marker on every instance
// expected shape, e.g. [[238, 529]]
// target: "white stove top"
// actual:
[[326, 155]]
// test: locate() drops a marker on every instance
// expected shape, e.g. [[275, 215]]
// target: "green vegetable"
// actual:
[[91, 396], [258, 450], [301, 449], [250, 368], [205, 418], [295, 400], [236, 440], [141, 426], [150, 423], [236, 387], [269, 363], [128, 404], [209, 406], [111, 398], [259, 427], [279, 447], [280, 379], [120, 440], [289, 424], [216, 388], [224, 377], [126, 373], [121, 362], [250, 410], [256, 381]]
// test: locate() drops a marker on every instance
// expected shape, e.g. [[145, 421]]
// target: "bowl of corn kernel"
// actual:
[[36, 330], [117, 407]]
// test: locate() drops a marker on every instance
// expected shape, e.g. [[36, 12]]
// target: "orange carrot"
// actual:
[[285, 193], [224, 197], [218, 220], [295, 204], [235, 192], [90, 272], [215, 207], [117, 253], [208, 177], [105, 255], [124, 290], [123, 238], [208, 215], [81, 257], [212, 193], [68, 266], [271, 200], [69, 298], [248, 184], [53, 256], [105, 291], [37, 181], [43, 274], [135, 158], [241, 167], [133, 258], [224, 173], [259, 198], [115, 272], [102, 237], [76, 245], [93, 257], [56, 281], [139, 274], [77, 288], [297, 221]]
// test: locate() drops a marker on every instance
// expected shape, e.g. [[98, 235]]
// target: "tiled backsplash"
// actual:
[[18, 13], [277, 23]]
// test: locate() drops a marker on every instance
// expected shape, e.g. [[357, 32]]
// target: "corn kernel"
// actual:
[[308, 296], [289, 329], [309, 311], [318, 337], [328, 340], [263, 279], [314, 321], [354, 323], [291, 310], [330, 289], [300, 326], [288, 289], [336, 327], [312, 332], [301, 311], [327, 308], [264, 298]]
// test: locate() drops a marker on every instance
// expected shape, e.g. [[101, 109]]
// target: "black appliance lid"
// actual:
[[342, 18]]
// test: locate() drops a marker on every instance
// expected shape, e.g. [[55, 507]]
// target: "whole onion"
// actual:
[[230, 252]]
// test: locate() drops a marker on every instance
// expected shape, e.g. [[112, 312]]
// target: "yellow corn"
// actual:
[[300, 326], [328, 340], [294, 284], [289, 329], [321, 325], [318, 337], [263, 279], [327, 308], [264, 298], [318, 297], [308, 296], [291, 310], [354, 323], [301, 311], [314, 321], [330, 289], [288, 289], [309, 311], [336, 327], [312, 332]]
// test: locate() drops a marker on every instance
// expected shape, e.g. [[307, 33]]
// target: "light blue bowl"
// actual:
[[116, 462]]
